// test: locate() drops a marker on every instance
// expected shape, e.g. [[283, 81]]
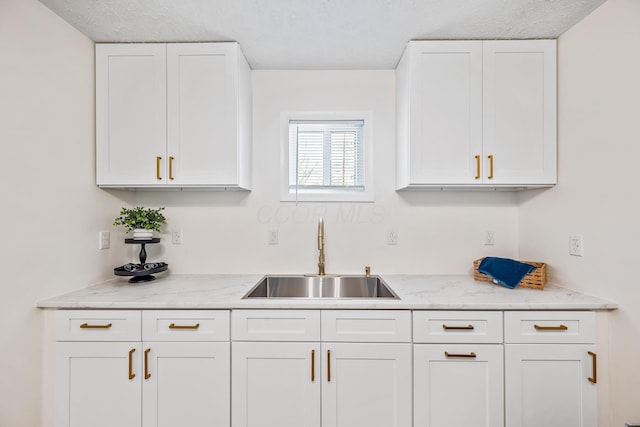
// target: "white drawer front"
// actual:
[[275, 325], [550, 327], [457, 326], [188, 325], [366, 326], [98, 325]]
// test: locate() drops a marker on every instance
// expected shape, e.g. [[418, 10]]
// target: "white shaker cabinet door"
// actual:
[[98, 384], [131, 114], [186, 384], [548, 385], [440, 113], [276, 384], [519, 122], [202, 114], [458, 385], [366, 385]]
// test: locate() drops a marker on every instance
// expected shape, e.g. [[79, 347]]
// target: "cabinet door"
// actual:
[[98, 384], [519, 123], [202, 100], [186, 384], [130, 114], [366, 385], [276, 384], [547, 385], [458, 385], [446, 112]]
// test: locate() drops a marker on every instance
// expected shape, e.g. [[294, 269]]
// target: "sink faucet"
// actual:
[[321, 246]]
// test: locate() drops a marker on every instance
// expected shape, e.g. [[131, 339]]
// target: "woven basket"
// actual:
[[534, 280]]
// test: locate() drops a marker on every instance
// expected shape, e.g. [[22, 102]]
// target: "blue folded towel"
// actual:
[[505, 271]]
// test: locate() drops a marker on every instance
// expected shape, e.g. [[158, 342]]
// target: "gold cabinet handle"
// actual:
[[478, 166], [457, 328], [471, 355], [88, 326], [328, 366], [594, 361], [174, 326], [490, 166], [313, 365], [171, 167], [147, 375], [550, 328], [158, 177], [131, 374]]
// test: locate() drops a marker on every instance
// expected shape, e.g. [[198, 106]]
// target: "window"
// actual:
[[326, 160]]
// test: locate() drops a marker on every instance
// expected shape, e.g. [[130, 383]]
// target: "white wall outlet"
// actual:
[[576, 245], [272, 237], [489, 238], [104, 240], [176, 237], [392, 237]]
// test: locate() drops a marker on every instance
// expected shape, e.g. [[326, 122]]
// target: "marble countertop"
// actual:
[[436, 292]]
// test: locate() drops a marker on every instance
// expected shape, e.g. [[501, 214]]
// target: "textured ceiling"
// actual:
[[320, 34]]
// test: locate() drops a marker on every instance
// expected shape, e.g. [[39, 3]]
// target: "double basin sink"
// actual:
[[328, 286]]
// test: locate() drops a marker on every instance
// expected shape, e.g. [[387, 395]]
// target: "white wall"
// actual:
[[51, 211], [227, 232], [597, 195]]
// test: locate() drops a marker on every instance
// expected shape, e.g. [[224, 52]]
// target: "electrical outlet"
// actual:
[[489, 237], [392, 238], [104, 240], [576, 245], [176, 237], [272, 237]]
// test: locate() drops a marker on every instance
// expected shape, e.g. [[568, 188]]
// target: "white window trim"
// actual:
[[367, 195]]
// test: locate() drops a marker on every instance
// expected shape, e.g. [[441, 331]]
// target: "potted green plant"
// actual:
[[141, 221]]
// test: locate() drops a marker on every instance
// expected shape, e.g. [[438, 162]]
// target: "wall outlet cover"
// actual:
[[576, 245]]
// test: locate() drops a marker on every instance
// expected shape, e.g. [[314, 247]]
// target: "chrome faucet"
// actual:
[[321, 246]]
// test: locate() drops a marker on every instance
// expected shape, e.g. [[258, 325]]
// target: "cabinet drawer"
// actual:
[[189, 325], [97, 325], [549, 327], [457, 326], [366, 326], [275, 325]]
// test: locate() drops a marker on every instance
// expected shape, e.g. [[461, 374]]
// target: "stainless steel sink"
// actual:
[[321, 287]]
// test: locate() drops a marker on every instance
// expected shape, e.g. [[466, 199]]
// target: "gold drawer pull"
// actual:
[[328, 366], [88, 326], [174, 326], [131, 374], [490, 166], [171, 158], [458, 328], [594, 359], [313, 365], [551, 328], [147, 375], [471, 355], [477, 166], [158, 177]]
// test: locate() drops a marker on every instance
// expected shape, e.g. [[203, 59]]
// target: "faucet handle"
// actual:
[[367, 271]]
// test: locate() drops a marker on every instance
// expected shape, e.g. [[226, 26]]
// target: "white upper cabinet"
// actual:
[[173, 115], [476, 114]]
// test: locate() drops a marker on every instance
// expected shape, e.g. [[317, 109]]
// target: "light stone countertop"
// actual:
[[435, 292]]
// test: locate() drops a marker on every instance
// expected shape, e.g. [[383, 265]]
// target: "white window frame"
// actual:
[[342, 195]]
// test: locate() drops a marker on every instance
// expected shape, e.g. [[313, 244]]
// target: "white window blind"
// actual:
[[326, 156]]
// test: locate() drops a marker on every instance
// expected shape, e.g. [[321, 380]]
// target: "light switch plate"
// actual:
[[576, 245], [104, 240]]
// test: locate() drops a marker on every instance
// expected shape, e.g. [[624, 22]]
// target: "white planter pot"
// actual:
[[142, 234]]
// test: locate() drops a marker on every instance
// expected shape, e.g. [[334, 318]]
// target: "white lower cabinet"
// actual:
[[133, 383], [313, 384], [550, 369], [94, 384], [458, 385], [325, 368], [275, 384]]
